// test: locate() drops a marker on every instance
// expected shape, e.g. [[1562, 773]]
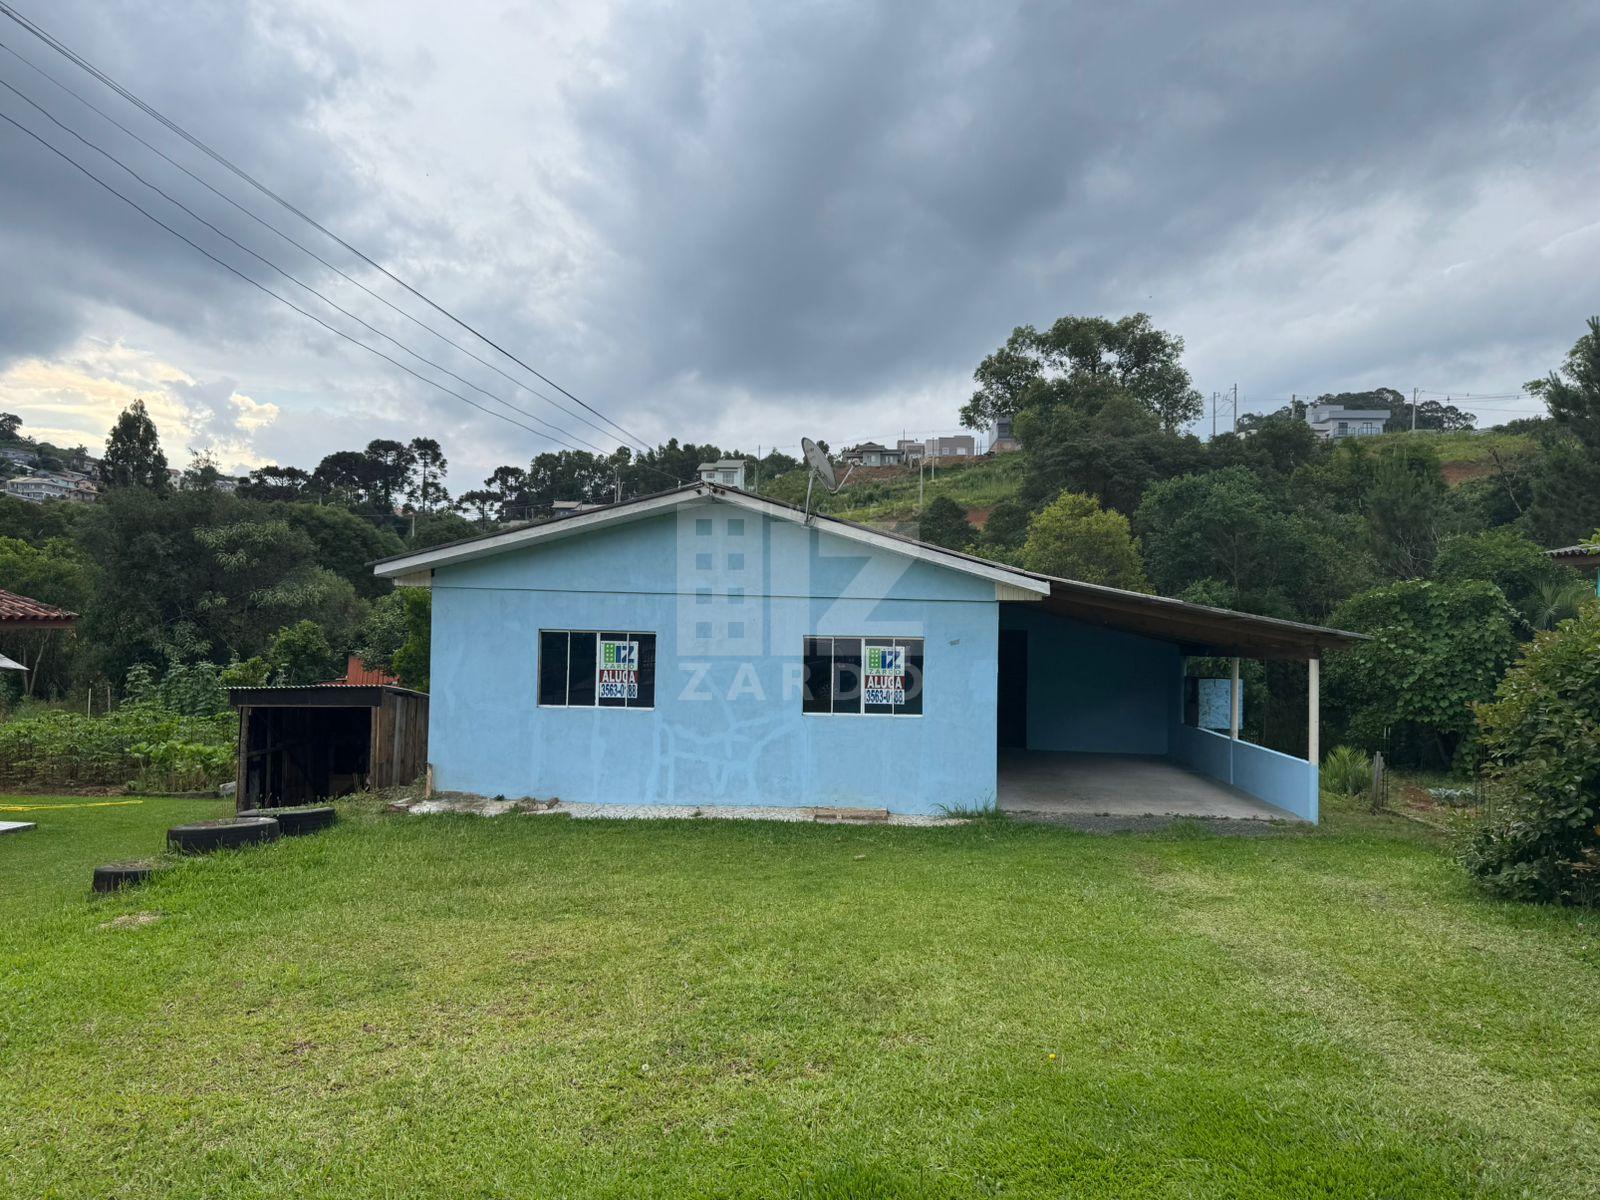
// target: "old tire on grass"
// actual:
[[230, 833], [293, 822], [119, 875]]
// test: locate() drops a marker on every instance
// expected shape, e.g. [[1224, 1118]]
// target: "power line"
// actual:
[[267, 225], [563, 434], [83, 64], [64, 156]]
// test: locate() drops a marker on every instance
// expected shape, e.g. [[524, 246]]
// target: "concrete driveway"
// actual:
[[1055, 784]]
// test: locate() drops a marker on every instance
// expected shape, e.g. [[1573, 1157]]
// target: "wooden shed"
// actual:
[[298, 745]]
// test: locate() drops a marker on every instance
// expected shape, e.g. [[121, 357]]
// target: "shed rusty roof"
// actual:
[[24, 611]]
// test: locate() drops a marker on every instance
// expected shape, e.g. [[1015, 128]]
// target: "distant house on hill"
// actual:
[[1334, 421], [871, 454], [961, 445], [729, 472], [53, 485], [1004, 440]]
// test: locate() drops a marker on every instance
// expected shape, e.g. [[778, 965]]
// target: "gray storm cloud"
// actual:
[[731, 223]]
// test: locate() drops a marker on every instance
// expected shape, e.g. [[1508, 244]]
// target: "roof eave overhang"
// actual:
[[1196, 628]]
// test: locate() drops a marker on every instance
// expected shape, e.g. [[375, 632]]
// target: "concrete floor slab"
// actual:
[[1038, 781]]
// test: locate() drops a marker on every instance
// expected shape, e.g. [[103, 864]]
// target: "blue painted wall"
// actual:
[[1289, 783], [730, 597], [1092, 689]]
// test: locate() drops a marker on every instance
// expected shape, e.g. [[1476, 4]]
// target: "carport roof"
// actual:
[[1197, 628]]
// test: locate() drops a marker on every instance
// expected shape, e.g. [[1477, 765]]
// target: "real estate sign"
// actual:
[[884, 679], [619, 670]]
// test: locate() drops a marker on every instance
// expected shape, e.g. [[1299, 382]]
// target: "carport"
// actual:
[[1091, 716]]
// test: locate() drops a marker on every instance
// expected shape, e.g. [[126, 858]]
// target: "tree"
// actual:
[[10, 427], [480, 501], [1541, 743], [944, 523], [1074, 538], [346, 476], [275, 483], [1508, 560], [390, 464], [435, 529], [1108, 446], [1128, 355], [1572, 394], [299, 654], [1430, 414], [411, 660], [509, 485], [1224, 526], [1006, 529], [1405, 509], [428, 490], [1436, 650], [133, 455]]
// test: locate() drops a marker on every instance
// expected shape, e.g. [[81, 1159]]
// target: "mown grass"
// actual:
[[532, 1006]]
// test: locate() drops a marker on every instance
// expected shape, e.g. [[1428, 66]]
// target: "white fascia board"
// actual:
[[552, 531], [532, 535]]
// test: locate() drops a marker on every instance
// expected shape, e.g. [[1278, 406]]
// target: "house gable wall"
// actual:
[[727, 727]]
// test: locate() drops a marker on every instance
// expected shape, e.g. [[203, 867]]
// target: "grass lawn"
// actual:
[[532, 1006]]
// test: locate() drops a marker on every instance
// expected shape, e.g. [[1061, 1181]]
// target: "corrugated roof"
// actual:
[[23, 610]]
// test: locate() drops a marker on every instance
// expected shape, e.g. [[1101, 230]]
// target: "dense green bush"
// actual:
[[1346, 771], [1541, 736], [143, 744], [1436, 649]]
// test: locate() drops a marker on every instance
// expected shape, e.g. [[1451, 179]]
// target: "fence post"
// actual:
[[1380, 783]]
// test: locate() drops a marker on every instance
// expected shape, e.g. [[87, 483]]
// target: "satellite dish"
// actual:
[[821, 469], [819, 463]]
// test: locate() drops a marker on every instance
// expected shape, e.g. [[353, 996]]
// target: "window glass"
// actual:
[[553, 667], [816, 696], [735, 526], [868, 676], [846, 675], [586, 669]]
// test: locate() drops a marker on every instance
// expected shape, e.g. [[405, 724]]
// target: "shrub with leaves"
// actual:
[[1436, 650], [1346, 771], [154, 748], [1541, 736]]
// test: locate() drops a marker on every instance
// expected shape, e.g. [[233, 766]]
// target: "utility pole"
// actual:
[[1236, 408], [1213, 414], [1413, 410]]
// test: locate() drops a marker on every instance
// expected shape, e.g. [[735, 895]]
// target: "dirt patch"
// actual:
[[136, 920], [1459, 472]]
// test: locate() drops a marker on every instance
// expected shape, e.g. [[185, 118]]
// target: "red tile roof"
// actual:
[[20, 610]]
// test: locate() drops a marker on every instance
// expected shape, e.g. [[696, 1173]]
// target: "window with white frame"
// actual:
[[862, 676], [596, 669]]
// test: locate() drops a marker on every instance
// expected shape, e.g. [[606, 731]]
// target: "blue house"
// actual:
[[707, 646]]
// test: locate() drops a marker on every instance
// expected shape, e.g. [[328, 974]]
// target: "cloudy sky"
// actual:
[[743, 223]]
